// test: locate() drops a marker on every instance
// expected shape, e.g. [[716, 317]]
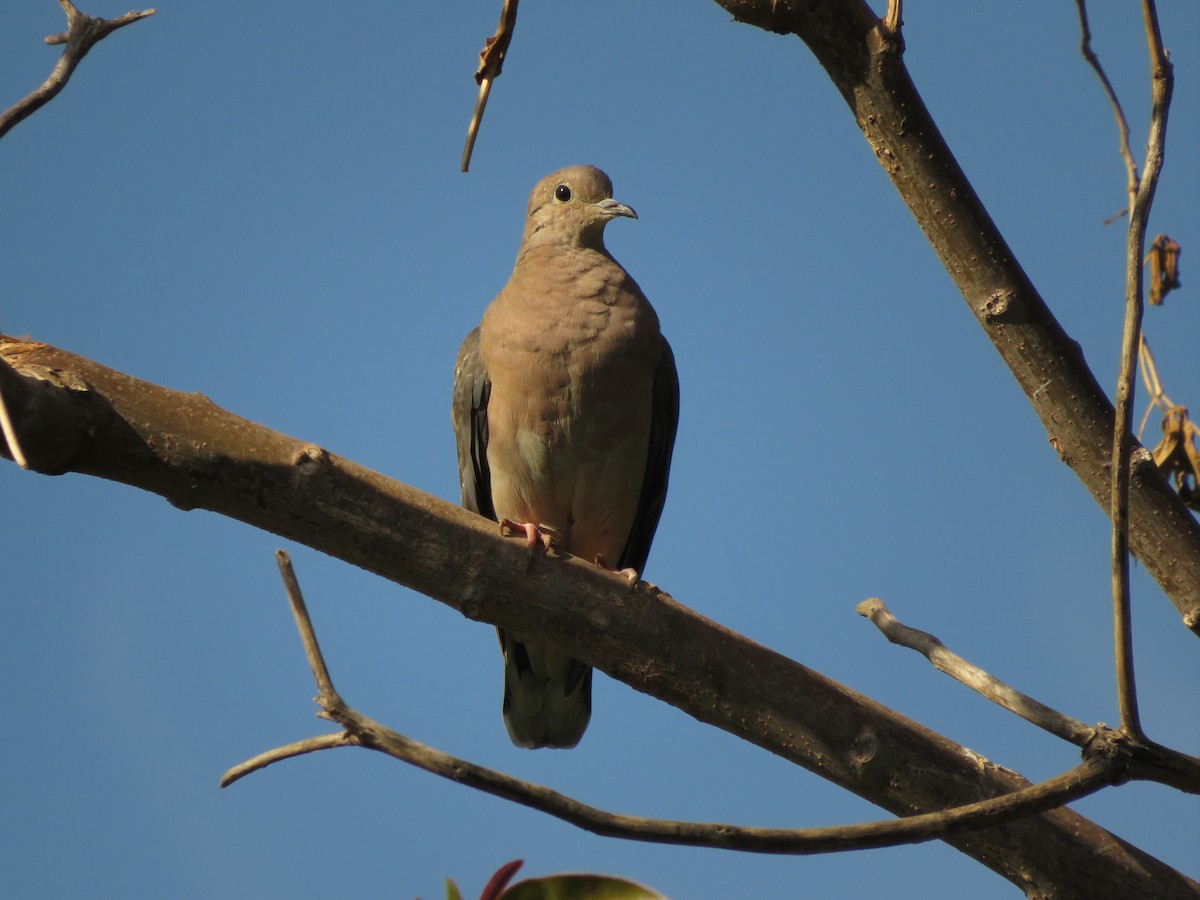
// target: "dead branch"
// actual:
[[867, 67], [1146, 759], [1089, 55], [964, 672], [362, 731], [75, 415], [288, 751], [1141, 200], [83, 32]]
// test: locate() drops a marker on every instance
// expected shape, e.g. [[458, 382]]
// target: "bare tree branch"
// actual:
[[1119, 503], [72, 420], [1141, 200], [949, 662], [866, 66], [1147, 760], [308, 636], [1091, 775], [1085, 49], [76, 415], [83, 32], [288, 751]]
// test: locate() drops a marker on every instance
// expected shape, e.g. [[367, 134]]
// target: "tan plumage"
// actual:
[[565, 407]]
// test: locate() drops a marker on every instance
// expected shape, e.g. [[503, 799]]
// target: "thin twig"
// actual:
[[1094, 773], [308, 637], [1084, 779], [491, 62], [83, 32], [1162, 85], [1146, 760], [949, 662], [299, 748], [1141, 197], [1085, 47]]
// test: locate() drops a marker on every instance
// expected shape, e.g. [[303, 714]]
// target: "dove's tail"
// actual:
[[547, 695]]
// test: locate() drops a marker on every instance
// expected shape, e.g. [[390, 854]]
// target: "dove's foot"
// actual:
[[535, 538], [630, 574]]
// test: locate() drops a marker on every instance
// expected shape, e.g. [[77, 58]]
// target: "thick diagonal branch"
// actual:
[[864, 61], [76, 415], [362, 731]]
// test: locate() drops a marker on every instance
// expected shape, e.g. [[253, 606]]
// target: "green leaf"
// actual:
[[580, 887]]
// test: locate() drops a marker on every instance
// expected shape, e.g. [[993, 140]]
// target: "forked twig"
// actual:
[[1141, 198], [1141, 201], [83, 32], [1095, 772]]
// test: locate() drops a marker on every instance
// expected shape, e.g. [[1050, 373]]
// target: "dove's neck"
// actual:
[[545, 234]]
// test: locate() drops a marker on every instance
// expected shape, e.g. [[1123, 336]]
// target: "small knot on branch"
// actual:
[[1112, 746]]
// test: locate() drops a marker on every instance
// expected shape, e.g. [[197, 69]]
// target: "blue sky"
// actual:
[[266, 207]]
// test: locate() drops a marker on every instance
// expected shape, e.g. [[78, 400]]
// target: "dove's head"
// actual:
[[571, 207]]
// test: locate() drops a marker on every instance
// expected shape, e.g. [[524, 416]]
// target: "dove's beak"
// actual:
[[612, 209]]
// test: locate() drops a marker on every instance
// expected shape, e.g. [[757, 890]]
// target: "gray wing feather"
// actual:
[[472, 388], [663, 425]]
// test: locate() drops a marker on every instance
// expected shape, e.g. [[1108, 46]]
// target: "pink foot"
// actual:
[[535, 538], [631, 575]]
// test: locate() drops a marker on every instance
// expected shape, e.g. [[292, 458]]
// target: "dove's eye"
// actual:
[[562, 193]]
